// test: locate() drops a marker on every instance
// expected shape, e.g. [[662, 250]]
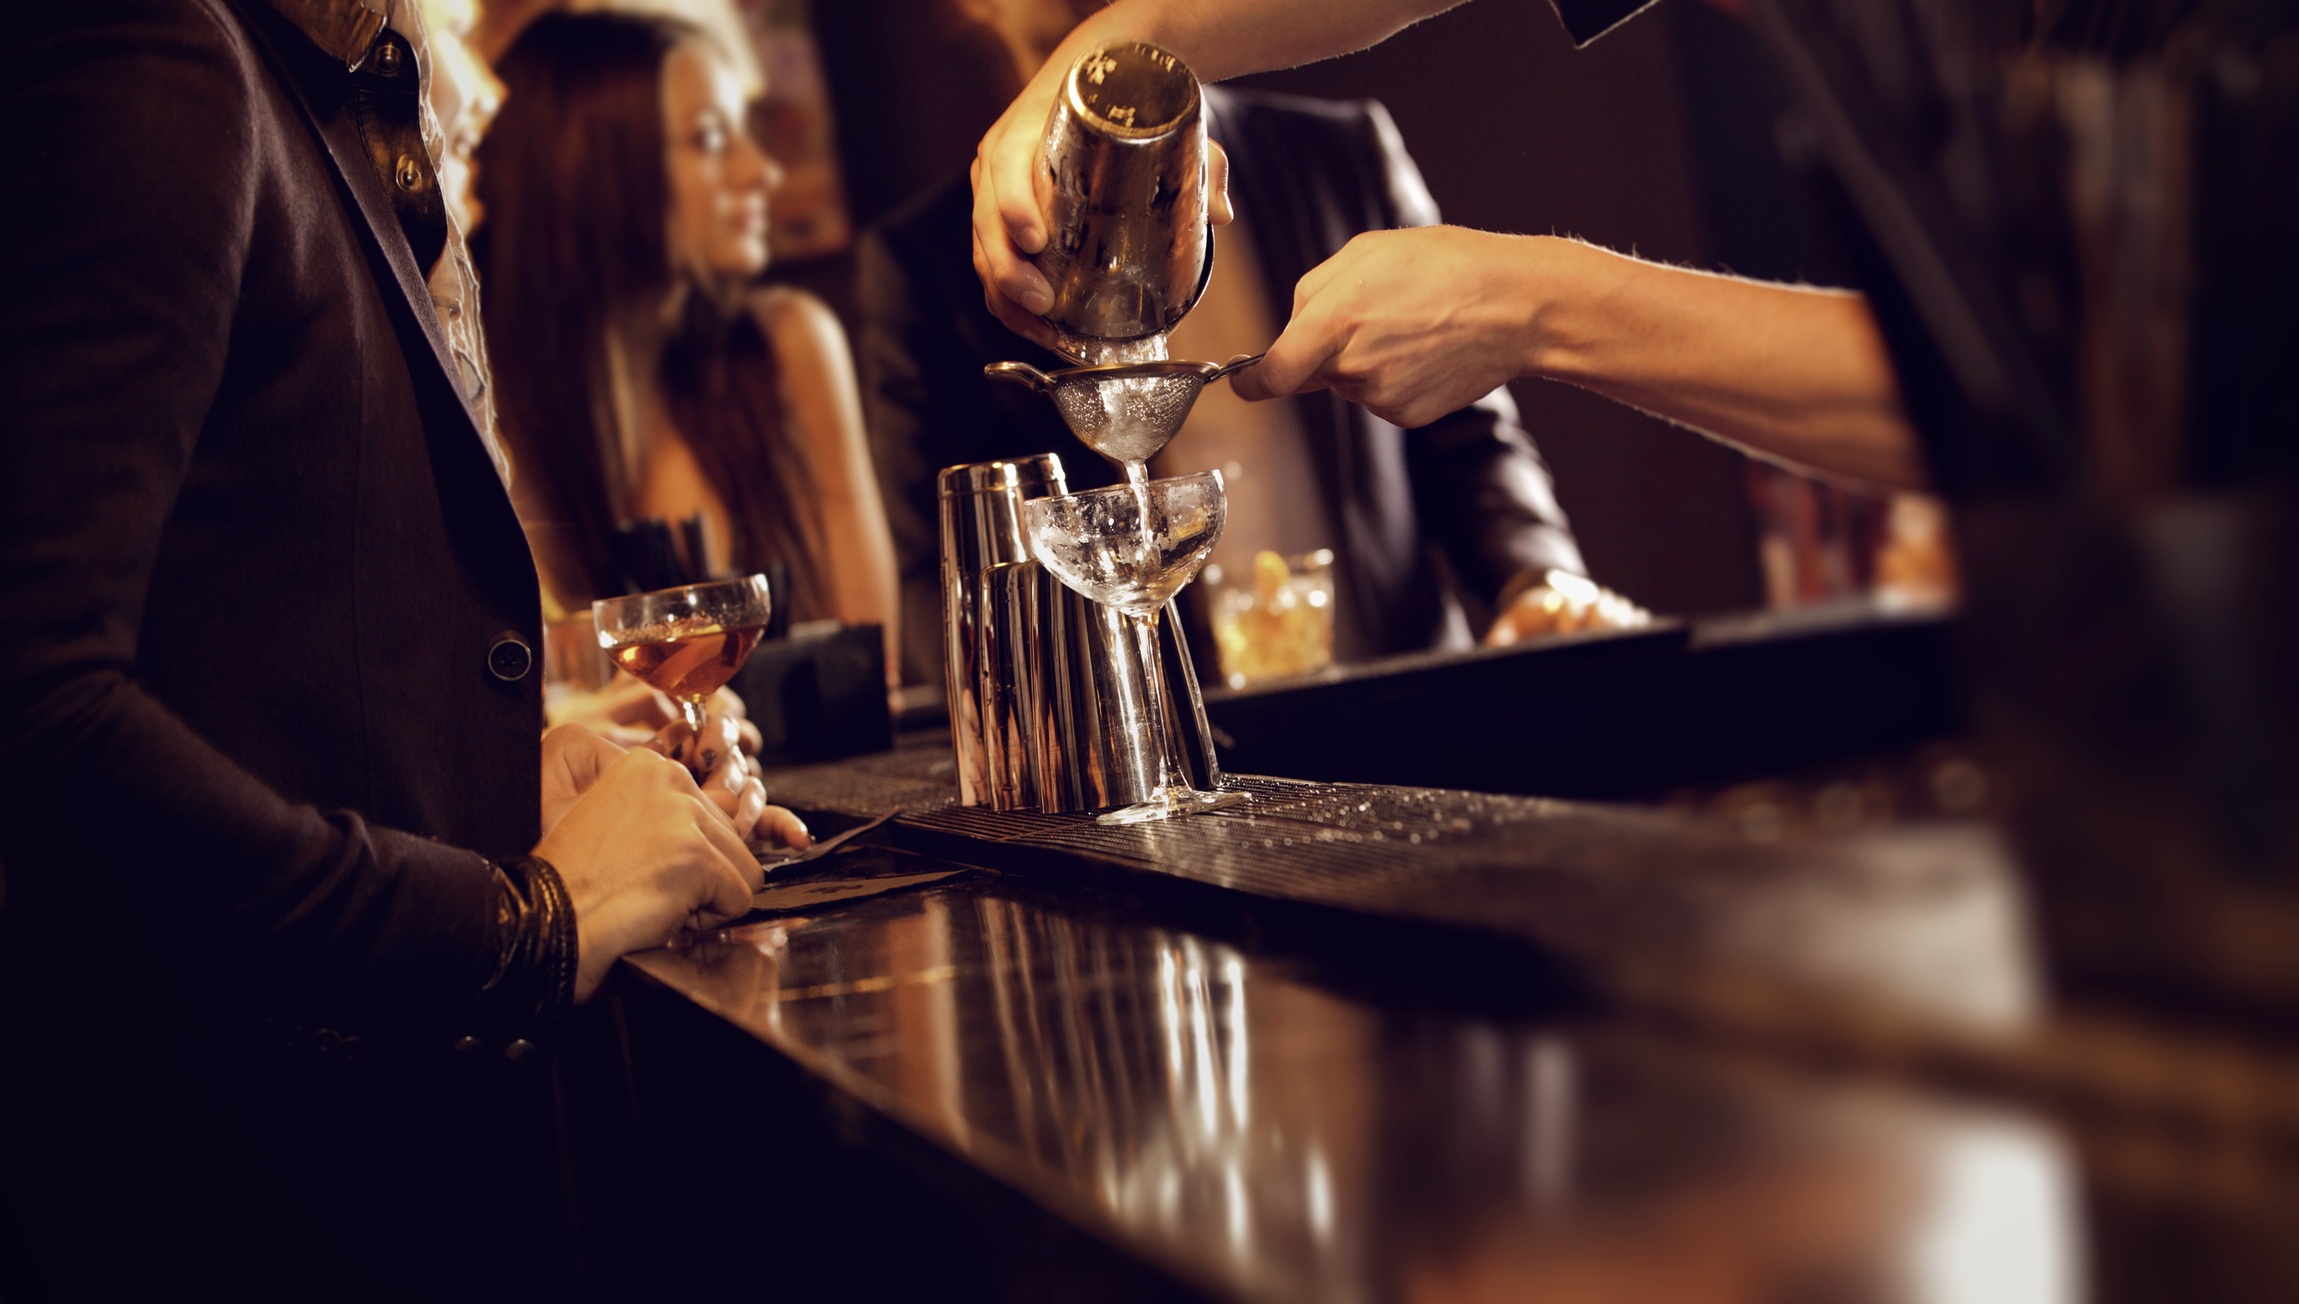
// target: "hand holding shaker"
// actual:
[[1129, 247]]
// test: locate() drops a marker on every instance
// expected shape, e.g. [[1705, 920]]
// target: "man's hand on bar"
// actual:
[[1560, 602], [642, 850]]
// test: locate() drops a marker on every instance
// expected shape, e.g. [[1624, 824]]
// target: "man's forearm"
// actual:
[[1219, 39], [119, 806], [1785, 372]]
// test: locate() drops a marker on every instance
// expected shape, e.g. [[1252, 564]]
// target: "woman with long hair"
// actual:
[[641, 372]]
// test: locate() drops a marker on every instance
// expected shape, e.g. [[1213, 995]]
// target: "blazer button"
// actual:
[[409, 174], [387, 57], [510, 658]]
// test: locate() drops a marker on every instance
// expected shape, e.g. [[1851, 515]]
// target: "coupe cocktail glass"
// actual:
[[688, 641], [1131, 548]]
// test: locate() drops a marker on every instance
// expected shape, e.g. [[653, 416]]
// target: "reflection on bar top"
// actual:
[[1252, 1131]]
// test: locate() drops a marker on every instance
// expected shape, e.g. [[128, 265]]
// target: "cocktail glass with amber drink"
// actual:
[[685, 642]]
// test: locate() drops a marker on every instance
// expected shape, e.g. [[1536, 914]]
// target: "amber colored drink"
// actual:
[[688, 662]]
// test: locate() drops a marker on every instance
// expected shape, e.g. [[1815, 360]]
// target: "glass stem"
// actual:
[[1153, 689], [693, 709]]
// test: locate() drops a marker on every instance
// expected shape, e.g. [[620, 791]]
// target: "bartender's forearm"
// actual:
[[1788, 373], [1230, 38]]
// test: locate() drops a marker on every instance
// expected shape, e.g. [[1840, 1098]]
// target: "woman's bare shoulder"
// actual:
[[817, 368], [799, 325]]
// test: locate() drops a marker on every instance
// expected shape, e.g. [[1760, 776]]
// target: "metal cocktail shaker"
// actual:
[[1129, 249], [1038, 677], [981, 518]]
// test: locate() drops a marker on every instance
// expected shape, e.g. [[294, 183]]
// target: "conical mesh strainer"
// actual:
[[1126, 411]]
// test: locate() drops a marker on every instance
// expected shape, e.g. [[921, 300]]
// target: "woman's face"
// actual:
[[719, 178]]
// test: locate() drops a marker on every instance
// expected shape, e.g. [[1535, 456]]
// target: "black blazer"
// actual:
[[253, 557], [1310, 174]]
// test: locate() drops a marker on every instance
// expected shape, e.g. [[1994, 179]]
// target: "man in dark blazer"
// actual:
[[292, 887], [1464, 499]]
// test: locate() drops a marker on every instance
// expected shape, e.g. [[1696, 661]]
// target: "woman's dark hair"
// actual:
[[574, 241]]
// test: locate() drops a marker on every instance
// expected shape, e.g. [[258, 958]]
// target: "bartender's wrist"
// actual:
[[1103, 26], [1572, 292], [1150, 23]]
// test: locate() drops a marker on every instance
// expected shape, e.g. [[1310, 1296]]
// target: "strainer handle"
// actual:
[[1021, 373], [1238, 363]]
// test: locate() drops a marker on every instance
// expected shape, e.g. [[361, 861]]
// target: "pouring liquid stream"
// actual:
[[1132, 431]]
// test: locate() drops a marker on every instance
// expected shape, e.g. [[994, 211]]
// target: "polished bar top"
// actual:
[[1256, 1119], [1259, 1134], [1923, 923], [1905, 943]]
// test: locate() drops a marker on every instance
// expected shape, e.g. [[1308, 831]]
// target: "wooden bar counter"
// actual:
[[1376, 1043]]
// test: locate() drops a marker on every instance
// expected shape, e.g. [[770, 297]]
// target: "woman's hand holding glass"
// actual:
[[721, 757], [628, 713]]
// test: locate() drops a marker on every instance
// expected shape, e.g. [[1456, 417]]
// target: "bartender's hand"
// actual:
[[1013, 189], [1217, 40], [1412, 324], [641, 851], [1417, 323]]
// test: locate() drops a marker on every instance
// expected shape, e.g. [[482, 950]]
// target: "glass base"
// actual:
[[1176, 800]]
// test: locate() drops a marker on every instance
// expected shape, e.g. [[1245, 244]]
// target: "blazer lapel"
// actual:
[[339, 139], [1281, 179]]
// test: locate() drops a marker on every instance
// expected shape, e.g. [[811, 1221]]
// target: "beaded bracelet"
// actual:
[[536, 949]]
